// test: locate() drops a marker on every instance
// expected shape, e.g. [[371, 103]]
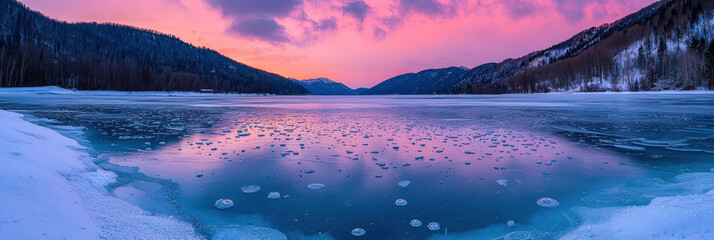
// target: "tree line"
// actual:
[[38, 51], [676, 52]]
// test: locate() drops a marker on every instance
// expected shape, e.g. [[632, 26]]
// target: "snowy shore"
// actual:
[[51, 189]]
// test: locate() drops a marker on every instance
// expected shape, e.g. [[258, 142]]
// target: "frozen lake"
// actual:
[[469, 163]]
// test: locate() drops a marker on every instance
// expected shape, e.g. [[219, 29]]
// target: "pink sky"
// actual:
[[356, 42]]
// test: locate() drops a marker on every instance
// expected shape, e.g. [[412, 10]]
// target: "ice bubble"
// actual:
[[548, 202], [400, 202], [434, 226], [404, 183], [273, 195], [415, 223], [511, 223], [316, 186], [502, 182], [358, 232], [224, 203], [519, 235], [250, 188]]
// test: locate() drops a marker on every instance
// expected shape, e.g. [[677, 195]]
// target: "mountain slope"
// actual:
[[36, 50], [324, 86], [432, 81], [663, 46]]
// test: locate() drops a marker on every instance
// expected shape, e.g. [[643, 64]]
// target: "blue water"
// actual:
[[457, 151]]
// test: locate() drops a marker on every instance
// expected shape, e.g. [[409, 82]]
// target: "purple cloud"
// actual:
[[253, 8], [426, 7], [266, 29], [357, 9], [572, 10], [327, 24], [518, 9]]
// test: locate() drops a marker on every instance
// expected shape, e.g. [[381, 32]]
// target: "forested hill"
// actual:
[[36, 51], [668, 45]]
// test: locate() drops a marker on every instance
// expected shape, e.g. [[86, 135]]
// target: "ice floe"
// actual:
[[434, 226], [547, 202], [250, 189], [224, 203], [358, 232], [315, 186], [404, 183], [415, 223]]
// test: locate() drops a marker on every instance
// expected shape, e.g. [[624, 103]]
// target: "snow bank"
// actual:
[[53, 90], [650, 208], [680, 217], [52, 190], [682, 208]]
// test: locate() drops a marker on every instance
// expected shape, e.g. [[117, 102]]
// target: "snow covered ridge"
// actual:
[[51, 189]]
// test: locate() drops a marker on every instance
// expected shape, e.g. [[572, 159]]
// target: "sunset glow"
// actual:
[[359, 43]]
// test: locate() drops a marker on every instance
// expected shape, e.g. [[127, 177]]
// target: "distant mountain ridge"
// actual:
[[431, 81], [324, 86], [37, 50]]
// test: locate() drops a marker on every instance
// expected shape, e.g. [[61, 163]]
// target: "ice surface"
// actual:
[[507, 141]]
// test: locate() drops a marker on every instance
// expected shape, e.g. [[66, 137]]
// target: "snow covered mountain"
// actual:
[[324, 86], [663, 46]]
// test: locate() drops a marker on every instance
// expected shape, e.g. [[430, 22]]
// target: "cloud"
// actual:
[[379, 33], [253, 8], [357, 9], [266, 29], [518, 9], [573, 10], [327, 24], [426, 7]]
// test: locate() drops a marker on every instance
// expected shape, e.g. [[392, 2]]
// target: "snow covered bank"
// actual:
[[53, 90], [682, 208], [50, 189], [650, 208]]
